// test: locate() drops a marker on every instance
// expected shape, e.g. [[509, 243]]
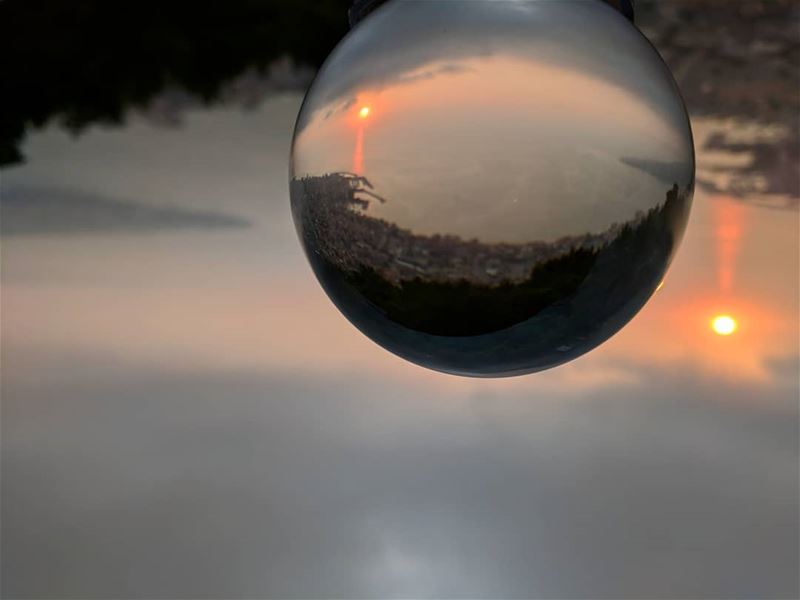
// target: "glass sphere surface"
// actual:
[[491, 188]]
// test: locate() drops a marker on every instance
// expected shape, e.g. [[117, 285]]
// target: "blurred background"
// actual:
[[186, 415]]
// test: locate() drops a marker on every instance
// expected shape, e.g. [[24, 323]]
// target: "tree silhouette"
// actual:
[[89, 61]]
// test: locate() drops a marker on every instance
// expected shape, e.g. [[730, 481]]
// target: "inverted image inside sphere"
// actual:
[[491, 188]]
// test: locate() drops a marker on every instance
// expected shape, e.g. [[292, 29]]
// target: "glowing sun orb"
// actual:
[[723, 325], [364, 112]]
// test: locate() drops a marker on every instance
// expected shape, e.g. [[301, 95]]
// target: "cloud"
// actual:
[[30, 210], [128, 482], [340, 108], [247, 91], [426, 74], [767, 177], [667, 172]]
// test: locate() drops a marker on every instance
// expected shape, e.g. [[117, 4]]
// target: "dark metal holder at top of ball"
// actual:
[[361, 8]]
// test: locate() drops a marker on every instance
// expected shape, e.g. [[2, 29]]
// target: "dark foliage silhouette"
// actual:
[[89, 61], [456, 304]]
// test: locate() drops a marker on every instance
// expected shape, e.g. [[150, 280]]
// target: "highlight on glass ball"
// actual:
[[491, 188]]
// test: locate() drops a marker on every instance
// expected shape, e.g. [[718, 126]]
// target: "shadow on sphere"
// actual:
[[480, 309]]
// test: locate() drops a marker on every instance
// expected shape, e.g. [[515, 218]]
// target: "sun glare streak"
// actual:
[[358, 153], [723, 325], [728, 233]]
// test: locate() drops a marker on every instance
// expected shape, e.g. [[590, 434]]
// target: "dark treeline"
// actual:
[[371, 257], [89, 61], [464, 308]]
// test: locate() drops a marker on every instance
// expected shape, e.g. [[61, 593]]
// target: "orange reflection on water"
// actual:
[[358, 153], [360, 124], [728, 221]]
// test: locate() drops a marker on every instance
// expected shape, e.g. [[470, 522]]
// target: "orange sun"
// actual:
[[723, 325], [364, 112]]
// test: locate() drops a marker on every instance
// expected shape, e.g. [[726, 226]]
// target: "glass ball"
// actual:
[[491, 188]]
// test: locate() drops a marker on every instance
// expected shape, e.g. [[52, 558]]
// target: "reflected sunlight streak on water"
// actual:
[[728, 230], [358, 152]]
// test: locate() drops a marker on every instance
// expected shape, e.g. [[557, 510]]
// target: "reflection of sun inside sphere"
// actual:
[[723, 325], [517, 195]]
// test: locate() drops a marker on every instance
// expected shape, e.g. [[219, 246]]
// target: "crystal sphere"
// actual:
[[491, 188]]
